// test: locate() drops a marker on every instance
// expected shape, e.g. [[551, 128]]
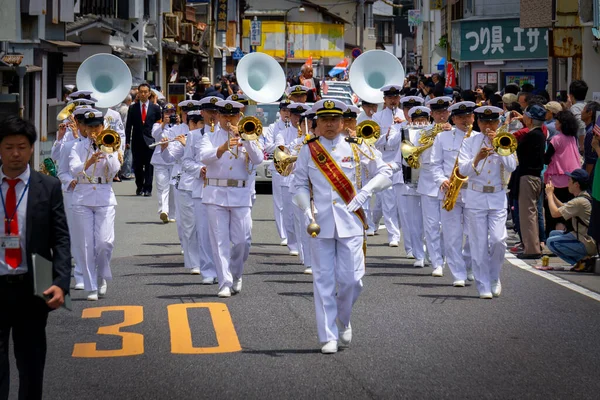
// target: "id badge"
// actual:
[[10, 242]]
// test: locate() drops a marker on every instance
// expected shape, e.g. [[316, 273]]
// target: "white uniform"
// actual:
[[163, 171], [408, 202], [485, 209], [388, 144], [192, 167], [113, 120], [228, 198], [65, 177], [430, 206], [285, 138], [444, 153], [94, 211], [268, 142], [338, 258]]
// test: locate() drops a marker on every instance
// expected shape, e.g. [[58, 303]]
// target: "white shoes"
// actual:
[[470, 276], [345, 333], [225, 292], [164, 217], [294, 253], [195, 271], [103, 288], [237, 285], [419, 264], [370, 232], [410, 255], [308, 271], [283, 242], [486, 296], [79, 286], [93, 295], [330, 347], [181, 251], [496, 288], [209, 281], [394, 243], [437, 272], [459, 283]]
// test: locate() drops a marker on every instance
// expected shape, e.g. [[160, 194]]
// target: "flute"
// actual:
[[153, 145]]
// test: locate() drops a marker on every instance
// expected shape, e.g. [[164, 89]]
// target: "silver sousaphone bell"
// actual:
[[373, 70], [107, 76]]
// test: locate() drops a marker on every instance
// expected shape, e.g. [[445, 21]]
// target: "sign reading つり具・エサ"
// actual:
[[501, 39]]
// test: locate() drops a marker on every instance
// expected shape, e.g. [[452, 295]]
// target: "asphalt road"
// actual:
[[415, 336]]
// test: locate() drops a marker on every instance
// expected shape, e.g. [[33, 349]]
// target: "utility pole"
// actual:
[[360, 19], [211, 30]]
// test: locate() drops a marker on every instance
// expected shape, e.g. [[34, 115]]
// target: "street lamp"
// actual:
[[285, 59]]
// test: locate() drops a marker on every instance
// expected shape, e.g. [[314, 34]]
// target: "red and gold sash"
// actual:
[[336, 177]]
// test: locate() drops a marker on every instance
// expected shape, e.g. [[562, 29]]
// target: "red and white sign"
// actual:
[[450, 75]]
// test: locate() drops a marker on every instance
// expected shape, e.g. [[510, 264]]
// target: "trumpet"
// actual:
[[369, 131], [250, 128], [108, 141], [504, 144]]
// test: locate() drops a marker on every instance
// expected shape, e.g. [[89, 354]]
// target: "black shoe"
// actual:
[[524, 256], [138, 192], [147, 194]]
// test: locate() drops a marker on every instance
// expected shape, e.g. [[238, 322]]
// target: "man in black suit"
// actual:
[[35, 223], [306, 79], [141, 116]]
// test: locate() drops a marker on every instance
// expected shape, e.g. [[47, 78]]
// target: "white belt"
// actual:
[[485, 189], [96, 180], [225, 182]]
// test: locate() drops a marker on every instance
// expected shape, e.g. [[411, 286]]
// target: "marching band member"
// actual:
[[350, 116], [485, 201], [268, 142], [285, 138], [67, 130], [228, 196], [429, 191], [388, 143], [444, 156], [368, 110], [328, 168], [297, 93], [167, 128], [191, 166], [408, 199], [94, 204]]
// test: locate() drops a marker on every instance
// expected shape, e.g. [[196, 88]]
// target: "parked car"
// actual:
[[343, 98]]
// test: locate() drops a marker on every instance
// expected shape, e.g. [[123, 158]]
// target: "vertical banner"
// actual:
[[255, 33], [450, 75], [222, 16]]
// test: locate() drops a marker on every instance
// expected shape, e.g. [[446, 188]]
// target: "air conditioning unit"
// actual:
[[171, 27], [188, 33]]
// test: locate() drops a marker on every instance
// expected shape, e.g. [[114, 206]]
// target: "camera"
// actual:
[[172, 119]]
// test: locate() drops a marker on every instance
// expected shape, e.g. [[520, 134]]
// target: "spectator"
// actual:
[[523, 99], [438, 81], [512, 88], [588, 116], [527, 88], [306, 79], [577, 91], [488, 92], [577, 246], [594, 229], [514, 112], [552, 109], [468, 95], [530, 153], [562, 155]]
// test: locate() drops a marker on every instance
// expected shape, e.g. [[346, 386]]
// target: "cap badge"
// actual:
[[487, 111], [393, 89], [214, 100], [440, 101], [418, 111], [298, 88], [328, 104], [228, 107], [462, 107], [234, 97], [91, 115], [299, 108]]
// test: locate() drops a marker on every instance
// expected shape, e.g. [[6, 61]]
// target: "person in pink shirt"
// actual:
[[562, 156]]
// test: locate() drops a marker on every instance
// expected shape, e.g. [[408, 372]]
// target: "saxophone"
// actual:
[[456, 180]]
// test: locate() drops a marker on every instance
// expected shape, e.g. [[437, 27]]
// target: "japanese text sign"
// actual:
[[222, 16], [255, 33], [497, 40]]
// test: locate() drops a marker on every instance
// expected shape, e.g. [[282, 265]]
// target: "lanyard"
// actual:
[[9, 220]]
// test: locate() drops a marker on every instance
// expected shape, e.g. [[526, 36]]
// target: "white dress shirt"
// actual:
[[6, 269], [390, 137], [190, 165]]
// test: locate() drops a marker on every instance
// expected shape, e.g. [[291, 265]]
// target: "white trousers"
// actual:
[[187, 221], [162, 174], [230, 238], [278, 205], [377, 211], [339, 266], [457, 251], [95, 228], [390, 214], [76, 247], [433, 229], [305, 241], [288, 219], [412, 222], [487, 239], [207, 264]]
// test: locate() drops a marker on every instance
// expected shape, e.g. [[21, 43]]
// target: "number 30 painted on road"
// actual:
[[181, 334]]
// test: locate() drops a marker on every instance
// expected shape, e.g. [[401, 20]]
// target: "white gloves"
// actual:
[[357, 202]]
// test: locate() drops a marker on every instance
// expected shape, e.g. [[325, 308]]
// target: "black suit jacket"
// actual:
[[47, 231], [311, 97], [142, 132]]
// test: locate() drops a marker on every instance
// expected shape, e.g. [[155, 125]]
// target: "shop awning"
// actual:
[[129, 52], [441, 64], [63, 45], [174, 47]]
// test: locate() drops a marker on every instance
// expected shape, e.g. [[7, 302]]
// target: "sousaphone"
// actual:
[[107, 76], [261, 77], [373, 70]]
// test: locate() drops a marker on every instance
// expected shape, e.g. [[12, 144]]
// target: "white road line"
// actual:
[[511, 258]]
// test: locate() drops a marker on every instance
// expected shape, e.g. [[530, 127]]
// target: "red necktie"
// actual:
[[143, 113], [12, 256]]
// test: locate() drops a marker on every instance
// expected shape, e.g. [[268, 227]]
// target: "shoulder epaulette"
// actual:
[[310, 138], [356, 140]]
